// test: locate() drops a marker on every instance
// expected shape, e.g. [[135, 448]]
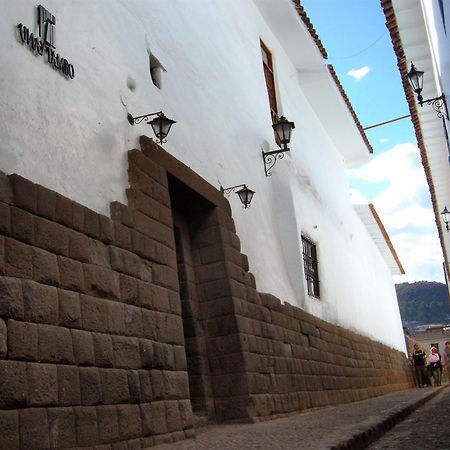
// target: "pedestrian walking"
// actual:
[[435, 366], [419, 365], [445, 360]]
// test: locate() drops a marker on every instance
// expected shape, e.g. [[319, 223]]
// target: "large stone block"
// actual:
[[146, 352], [129, 421], [22, 341], [153, 418], [34, 428], [114, 386], [146, 386], [157, 381], [165, 276], [116, 320], [46, 202], [83, 347], [150, 324], [78, 216], [125, 261], [91, 225], [90, 386], [24, 193], [69, 309], [45, 267], [69, 393], [101, 281], [5, 218], [86, 426], [186, 415], [133, 321], [6, 192], [126, 352], [134, 386], [42, 384], [106, 230], [3, 339], [173, 417], [40, 302], [13, 384], [122, 236], [64, 210], [79, 248], [55, 344], [99, 253], [129, 289], [9, 430], [108, 423], [18, 259], [51, 236], [61, 423], [11, 304], [94, 313], [103, 350], [22, 225], [71, 274], [176, 385]]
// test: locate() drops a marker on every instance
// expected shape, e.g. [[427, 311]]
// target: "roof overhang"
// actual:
[[406, 24], [378, 233]]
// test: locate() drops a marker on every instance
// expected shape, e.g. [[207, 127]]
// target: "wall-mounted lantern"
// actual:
[[161, 124], [245, 194], [283, 129], [415, 79], [446, 217]]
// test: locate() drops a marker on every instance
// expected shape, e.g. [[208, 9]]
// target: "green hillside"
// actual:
[[423, 302]]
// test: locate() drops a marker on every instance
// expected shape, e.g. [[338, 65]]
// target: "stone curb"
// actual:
[[363, 438]]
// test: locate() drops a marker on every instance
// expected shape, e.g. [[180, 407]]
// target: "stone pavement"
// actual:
[[426, 428], [349, 426]]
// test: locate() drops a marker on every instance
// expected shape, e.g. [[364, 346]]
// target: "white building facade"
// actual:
[[200, 63]]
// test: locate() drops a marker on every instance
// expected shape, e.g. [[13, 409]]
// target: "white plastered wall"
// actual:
[[72, 136]]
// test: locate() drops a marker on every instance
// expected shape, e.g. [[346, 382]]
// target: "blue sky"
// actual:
[[360, 49]]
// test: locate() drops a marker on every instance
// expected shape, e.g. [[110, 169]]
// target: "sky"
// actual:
[[359, 47]]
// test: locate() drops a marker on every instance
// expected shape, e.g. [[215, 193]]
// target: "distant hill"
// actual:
[[423, 302]]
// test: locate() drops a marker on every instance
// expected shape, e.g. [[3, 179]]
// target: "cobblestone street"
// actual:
[[345, 426], [426, 428]]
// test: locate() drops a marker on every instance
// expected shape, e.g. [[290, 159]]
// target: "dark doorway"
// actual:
[[189, 210]]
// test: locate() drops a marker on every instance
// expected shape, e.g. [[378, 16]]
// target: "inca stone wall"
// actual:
[[92, 348]]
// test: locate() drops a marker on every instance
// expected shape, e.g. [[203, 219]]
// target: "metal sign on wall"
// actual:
[[44, 45]]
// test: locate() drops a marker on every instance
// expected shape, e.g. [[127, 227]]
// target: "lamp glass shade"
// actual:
[[283, 128], [415, 78], [161, 126], [445, 215], [245, 196]]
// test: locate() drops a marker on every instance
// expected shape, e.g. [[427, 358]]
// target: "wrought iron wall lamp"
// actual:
[[446, 217], [283, 129], [245, 194], [415, 79], [161, 124]]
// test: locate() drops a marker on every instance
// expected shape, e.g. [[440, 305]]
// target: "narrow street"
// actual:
[[426, 428], [348, 426]]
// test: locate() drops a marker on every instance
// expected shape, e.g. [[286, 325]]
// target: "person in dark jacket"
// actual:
[[419, 357]]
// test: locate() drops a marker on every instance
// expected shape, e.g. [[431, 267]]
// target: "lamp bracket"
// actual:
[[138, 119], [229, 190], [270, 158], [439, 105]]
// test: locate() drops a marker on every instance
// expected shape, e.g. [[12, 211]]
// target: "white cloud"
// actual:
[[405, 209], [359, 74], [383, 140]]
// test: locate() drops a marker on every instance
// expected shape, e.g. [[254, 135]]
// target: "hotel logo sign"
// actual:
[[44, 45]]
